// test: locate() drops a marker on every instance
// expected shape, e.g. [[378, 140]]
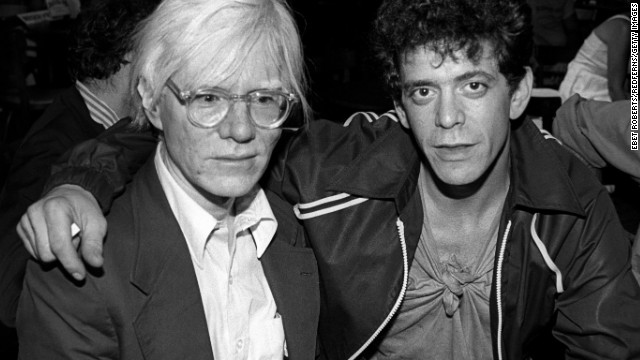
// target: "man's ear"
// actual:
[[150, 109], [521, 95], [402, 115]]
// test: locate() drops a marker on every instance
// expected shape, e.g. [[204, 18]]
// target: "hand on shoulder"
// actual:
[[45, 229]]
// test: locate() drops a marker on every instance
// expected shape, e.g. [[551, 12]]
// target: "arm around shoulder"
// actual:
[[104, 165]]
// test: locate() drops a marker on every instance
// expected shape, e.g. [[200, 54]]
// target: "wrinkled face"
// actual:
[[225, 161], [458, 112]]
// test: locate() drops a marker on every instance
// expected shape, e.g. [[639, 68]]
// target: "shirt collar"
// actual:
[[253, 214], [99, 111]]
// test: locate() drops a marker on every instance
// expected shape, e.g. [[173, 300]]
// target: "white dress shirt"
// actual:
[[241, 313]]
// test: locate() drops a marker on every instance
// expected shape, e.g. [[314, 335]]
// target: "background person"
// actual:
[[600, 132], [99, 63], [599, 70], [556, 31]]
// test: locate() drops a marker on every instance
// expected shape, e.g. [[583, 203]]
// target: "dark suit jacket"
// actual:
[[145, 303], [63, 125]]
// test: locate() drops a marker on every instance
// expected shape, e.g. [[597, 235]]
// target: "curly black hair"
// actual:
[[447, 26], [103, 36]]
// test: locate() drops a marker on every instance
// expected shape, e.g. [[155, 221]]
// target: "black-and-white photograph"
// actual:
[[319, 180]]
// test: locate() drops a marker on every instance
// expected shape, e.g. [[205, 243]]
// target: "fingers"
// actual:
[[93, 225], [59, 215], [26, 234], [40, 239], [93, 235], [46, 229]]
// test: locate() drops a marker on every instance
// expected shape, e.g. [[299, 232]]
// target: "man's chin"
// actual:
[[457, 176], [231, 187]]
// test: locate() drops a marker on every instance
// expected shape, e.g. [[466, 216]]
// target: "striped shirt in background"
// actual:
[[100, 112]]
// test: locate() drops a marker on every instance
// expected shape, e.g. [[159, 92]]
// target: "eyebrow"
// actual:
[[459, 78], [279, 87], [472, 74]]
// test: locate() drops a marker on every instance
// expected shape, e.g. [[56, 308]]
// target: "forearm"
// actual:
[[618, 93], [104, 165]]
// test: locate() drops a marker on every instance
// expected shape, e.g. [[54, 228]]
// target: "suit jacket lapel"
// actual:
[[171, 324], [293, 279]]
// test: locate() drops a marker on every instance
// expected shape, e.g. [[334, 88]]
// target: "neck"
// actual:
[[114, 91]]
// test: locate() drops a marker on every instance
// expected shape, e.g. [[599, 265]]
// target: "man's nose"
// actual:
[[449, 111], [237, 125]]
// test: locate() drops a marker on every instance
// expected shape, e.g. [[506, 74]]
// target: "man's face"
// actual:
[[225, 161], [458, 112]]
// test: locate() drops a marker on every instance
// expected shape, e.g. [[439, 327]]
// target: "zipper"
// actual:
[[403, 290], [503, 245]]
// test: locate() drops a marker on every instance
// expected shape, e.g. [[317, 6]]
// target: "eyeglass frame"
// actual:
[[186, 98]]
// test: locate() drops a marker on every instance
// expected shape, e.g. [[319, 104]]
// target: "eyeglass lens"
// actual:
[[265, 108]]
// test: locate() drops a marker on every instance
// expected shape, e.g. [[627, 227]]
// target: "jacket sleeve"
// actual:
[[47, 140], [598, 314], [600, 132], [61, 319], [104, 165], [299, 163]]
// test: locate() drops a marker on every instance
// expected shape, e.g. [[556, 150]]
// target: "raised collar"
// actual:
[[539, 179]]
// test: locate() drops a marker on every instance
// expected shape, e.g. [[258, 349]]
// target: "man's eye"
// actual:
[[475, 87], [266, 99], [421, 96], [208, 99], [422, 92]]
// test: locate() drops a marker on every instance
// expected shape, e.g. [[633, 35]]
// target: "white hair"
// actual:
[[226, 31]]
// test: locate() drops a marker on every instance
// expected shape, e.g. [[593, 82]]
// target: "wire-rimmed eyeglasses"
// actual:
[[206, 108]]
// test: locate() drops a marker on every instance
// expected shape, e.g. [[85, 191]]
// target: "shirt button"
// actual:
[[239, 344], [230, 280]]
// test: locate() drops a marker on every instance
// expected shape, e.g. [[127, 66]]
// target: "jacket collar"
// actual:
[[389, 168], [538, 177]]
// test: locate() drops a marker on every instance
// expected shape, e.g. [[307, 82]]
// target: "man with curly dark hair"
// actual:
[[450, 228], [99, 57]]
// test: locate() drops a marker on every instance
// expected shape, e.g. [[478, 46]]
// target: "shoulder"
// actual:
[[66, 118], [611, 29], [343, 141], [289, 230], [553, 175], [583, 179]]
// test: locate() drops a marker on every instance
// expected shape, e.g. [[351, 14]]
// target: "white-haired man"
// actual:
[[200, 262]]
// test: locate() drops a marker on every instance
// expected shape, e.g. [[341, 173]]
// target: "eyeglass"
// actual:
[[206, 108]]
